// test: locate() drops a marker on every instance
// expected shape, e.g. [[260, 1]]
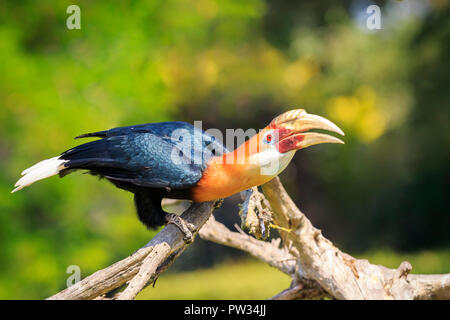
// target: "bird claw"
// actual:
[[185, 227], [218, 203]]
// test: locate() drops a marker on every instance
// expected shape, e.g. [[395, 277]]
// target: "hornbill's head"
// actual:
[[273, 148], [263, 156]]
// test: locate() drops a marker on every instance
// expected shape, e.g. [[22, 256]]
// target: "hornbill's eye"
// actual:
[[268, 138]]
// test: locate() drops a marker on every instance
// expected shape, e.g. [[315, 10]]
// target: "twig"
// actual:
[[292, 293], [269, 252]]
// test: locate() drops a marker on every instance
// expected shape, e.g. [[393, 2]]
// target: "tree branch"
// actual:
[[317, 267], [163, 249], [269, 252], [338, 273]]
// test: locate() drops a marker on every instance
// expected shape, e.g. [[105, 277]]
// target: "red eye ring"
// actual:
[[269, 138]]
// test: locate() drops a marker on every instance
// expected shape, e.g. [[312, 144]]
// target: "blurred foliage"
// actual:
[[233, 65]]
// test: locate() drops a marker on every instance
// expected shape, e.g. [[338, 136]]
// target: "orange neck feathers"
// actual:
[[231, 173]]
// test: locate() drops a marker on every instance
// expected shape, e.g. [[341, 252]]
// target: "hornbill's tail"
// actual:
[[39, 171]]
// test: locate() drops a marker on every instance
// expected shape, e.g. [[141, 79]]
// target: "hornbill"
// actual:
[[180, 161]]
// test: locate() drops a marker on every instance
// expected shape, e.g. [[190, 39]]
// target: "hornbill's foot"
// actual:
[[218, 203], [184, 226]]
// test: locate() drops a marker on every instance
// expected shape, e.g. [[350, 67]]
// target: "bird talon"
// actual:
[[218, 203], [188, 238], [185, 227]]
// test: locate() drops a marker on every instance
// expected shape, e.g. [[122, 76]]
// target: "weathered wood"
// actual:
[[338, 273], [168, 242], [317, 267], [269, 252]]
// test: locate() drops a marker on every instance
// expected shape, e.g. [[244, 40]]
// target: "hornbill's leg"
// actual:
[[186, 227], [218, 203], [148, 205], [183, 225]]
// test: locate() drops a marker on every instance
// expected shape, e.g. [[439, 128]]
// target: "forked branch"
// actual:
[[152, 259], [318, 269], [339, 274]]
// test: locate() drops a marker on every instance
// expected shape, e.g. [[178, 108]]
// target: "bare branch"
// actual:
[[269, 252], [302, 290], [341, 275], [317, 267], [166, 246], [147, 270], [292, 293]]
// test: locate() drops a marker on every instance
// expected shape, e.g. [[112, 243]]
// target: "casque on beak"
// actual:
[[292, 127]]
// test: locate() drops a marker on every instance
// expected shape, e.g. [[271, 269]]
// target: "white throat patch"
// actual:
[[272, 162]]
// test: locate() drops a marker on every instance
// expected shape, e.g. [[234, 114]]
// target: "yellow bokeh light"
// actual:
[[371, 126], [208, 70], [299, 73], [359, 113], [344, 109]]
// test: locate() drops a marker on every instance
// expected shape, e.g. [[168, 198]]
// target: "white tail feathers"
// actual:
[[39, 171]]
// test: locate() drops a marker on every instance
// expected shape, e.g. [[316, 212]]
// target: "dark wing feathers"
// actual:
[[159, 129], [99, 134], [142, 155]]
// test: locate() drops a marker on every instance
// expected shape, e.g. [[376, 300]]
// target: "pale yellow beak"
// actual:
[[292, 127]]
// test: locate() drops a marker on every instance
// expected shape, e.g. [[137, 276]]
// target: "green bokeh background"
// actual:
[[231, 64]]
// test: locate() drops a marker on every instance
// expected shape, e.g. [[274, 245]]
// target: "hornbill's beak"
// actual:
[[291, 128]]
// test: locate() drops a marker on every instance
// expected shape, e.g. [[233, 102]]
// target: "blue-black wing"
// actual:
[[157, 155]]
